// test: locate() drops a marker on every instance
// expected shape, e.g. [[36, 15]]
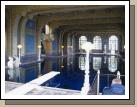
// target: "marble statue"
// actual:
[[10, 63], [16, 62]]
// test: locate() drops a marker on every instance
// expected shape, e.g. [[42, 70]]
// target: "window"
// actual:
[[82, 62], [112, 64], [82, 40], [97, 42], [113, 43], [96, 63]]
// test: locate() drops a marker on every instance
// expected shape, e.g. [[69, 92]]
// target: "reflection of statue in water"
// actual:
[[11, 74], [10, 63]]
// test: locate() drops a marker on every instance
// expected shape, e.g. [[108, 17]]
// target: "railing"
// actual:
[[95, 85], [93, 88]]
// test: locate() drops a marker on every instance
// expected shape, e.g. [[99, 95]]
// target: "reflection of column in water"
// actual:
[[108, 80], [105, 48], [39, 52], [22, 75], [72, 61], [17, 73], [62, 49], [105, 59], [39, 69], [72, 47], [61, 65], [69, 63], [68, 60]]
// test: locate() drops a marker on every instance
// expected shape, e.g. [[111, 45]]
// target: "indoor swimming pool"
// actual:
[[71, 70]]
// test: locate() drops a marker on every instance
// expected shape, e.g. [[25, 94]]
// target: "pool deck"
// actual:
[[11, 86], [41, 90], [33, 87]]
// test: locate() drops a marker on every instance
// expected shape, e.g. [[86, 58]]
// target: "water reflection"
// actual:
[[82, 62], [23, 74], [15, 74], [97, 63], [71, 71], [39, 69], [112, 63]]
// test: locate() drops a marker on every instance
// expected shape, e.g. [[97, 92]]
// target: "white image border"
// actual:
[[5, 96]]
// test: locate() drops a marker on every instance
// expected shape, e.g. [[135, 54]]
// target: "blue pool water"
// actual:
[[72, 75], [71, 71]]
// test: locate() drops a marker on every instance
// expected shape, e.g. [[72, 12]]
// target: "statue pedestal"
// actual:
[[86, 86]]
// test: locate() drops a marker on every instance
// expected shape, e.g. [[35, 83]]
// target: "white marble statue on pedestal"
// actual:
[[13, 65], [10, 63]]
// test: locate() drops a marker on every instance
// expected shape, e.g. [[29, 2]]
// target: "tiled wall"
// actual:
[[30, 37]]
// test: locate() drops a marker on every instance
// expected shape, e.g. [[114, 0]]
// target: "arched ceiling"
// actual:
[[78, 17]]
